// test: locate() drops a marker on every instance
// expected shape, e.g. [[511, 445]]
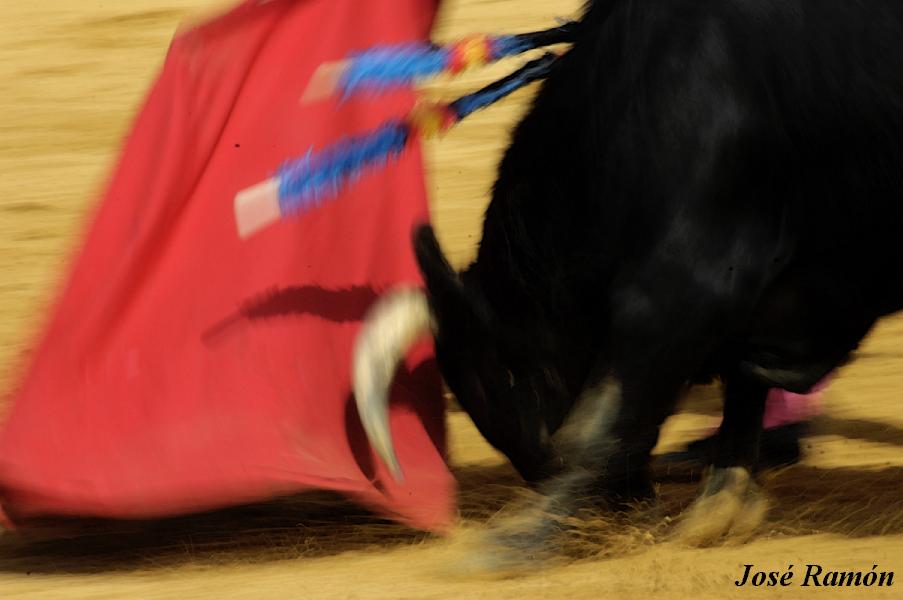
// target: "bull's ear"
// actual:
[[451, 302], [440, 277]]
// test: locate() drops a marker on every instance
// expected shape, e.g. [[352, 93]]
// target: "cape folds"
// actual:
[[185, 369]]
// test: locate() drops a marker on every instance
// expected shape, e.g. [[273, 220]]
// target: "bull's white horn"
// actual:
[[394, 323]]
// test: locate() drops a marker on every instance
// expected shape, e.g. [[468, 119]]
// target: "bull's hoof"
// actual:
[[731, 505], [485, 556], [518, 545]]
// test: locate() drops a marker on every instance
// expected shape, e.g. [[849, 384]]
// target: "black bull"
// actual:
[[703, 188]]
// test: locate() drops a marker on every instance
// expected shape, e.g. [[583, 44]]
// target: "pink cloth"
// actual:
[[784, 408]]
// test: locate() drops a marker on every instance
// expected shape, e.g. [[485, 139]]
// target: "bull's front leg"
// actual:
[[603, 445], [660, 335], [731, 502]]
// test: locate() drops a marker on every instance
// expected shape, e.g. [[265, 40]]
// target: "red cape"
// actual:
[[184, 369]]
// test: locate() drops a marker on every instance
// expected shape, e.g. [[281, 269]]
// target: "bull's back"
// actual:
[[815, 88]]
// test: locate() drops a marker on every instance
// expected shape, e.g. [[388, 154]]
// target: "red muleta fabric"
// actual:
[[183, 369]]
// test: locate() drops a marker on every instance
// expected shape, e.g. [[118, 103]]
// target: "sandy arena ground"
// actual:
[[73, 73]]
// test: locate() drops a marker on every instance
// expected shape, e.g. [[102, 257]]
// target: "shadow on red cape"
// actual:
[[183, 369]]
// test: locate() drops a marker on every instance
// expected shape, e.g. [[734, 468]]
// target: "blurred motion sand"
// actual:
[[73, 75]]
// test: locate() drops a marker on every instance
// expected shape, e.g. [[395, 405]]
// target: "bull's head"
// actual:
[[509, 395]]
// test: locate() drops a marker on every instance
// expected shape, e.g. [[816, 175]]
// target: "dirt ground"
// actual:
[[73, 74]]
